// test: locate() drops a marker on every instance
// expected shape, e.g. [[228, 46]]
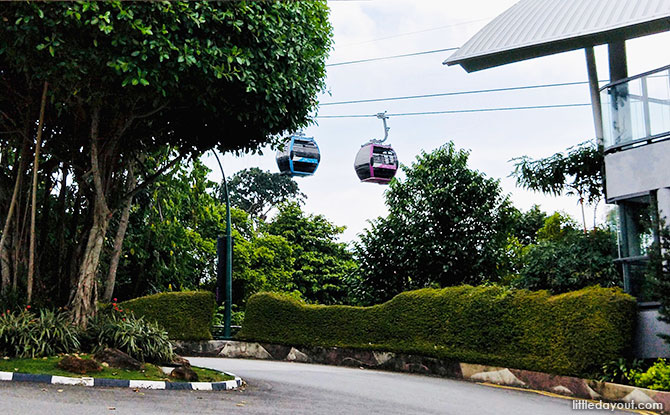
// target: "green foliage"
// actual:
[[656, 377], [195, 67], [130, 79], [236, 317], [658, 272], [579, 172], [556, 227], [25, 334], [184, 315], [321, 264], [144, 340], [525, 225], [256, 191], [261, 263], [568, 260], [171, 239], [621, 370], [447, 225], [572, 334], [11, 300]]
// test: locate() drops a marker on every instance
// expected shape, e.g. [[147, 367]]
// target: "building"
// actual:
[[631, 115]]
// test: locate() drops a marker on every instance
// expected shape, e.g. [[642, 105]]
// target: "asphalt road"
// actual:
[[286, 388]]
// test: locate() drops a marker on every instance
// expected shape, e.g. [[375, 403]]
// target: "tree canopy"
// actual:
[[577, 172], [256, 191], [447, 225], [129, 78], [322, 264]]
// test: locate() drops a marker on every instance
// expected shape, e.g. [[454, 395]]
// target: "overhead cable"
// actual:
[[408, 114], [390, 57], [445, 94]]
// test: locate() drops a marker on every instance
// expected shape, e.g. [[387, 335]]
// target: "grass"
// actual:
[[49, 366]]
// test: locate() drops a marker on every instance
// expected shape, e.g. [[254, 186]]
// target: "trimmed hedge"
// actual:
[[184, 315], [570, 334]]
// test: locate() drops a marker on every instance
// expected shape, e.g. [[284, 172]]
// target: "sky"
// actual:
[[376, 28]]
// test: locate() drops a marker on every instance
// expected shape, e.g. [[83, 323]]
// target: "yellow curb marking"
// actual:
[[555, 395]]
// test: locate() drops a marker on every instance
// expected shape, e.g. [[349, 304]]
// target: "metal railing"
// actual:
[[636, 110]]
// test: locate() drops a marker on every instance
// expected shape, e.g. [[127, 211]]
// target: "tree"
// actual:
[[135, 77], [447, 225], [566, 259], [578, 172], [658, 271], [321, 264], [256, 191], [527, 224]]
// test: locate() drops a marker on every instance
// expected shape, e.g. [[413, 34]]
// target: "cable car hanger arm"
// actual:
[[382, 116]]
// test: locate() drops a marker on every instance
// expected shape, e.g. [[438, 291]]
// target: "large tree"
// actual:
[[130, 77], [256, 191], [321, 263], [447, 225]]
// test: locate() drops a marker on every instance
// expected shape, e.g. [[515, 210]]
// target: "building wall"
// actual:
[[637, 170], [647, 343]]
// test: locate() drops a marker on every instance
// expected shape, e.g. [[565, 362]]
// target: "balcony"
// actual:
[[636, 110]]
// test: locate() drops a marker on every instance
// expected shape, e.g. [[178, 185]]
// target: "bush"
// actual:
[[25, 334], [621, 371], [656, 377], [145, 341], [236, 316], [571, 261], [572, 334], [184, 315]]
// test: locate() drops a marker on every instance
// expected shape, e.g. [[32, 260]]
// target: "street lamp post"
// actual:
[[225, 258]]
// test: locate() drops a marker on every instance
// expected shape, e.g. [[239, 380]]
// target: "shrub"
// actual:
[[236, 316], [184, 315], [25, 334], [143, 340], [573, 333], [656, 377], [621, 370], [571, 261]]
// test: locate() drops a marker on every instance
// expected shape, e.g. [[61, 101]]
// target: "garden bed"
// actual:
[[49, 366]]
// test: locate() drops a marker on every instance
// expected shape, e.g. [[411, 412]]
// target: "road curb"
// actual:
[[398, 362], [120, 383]]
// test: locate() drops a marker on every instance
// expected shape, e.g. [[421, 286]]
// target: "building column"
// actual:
[[663, 200]]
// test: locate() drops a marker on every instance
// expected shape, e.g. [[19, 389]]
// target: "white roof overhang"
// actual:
[[534, 28]]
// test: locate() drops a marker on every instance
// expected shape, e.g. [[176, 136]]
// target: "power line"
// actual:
[[445, 94], [391, 57], [408, 114]]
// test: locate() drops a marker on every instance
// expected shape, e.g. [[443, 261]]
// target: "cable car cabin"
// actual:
[[300, 156], [376, 163]]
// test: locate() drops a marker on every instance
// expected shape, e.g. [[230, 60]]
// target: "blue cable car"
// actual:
[[300, 156]]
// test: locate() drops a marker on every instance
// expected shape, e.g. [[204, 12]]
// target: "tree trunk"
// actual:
[[118, 239], [33, 207], [60, 226], [83, 304], [5, 269], [83, 301]]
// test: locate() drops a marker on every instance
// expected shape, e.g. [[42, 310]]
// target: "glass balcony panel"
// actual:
[[637, 120], [636, 109]]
